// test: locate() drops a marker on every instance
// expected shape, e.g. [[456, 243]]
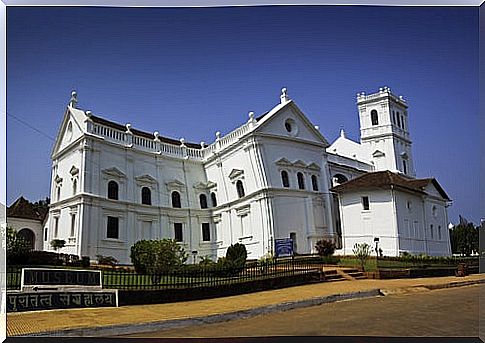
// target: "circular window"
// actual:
[[291, 127], [288, 126]]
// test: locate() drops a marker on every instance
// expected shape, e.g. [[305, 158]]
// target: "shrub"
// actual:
[[362, 252], [107, 260], [325, 247], [85, 261], [157, 256], [206, 261], [237, 254], [17, 247], [57, 244]]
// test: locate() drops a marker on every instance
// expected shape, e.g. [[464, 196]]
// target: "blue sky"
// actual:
[[191, 72]]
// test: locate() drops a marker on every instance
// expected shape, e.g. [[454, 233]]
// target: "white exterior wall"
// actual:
[[254, 153], [362, 226], [34, 225]]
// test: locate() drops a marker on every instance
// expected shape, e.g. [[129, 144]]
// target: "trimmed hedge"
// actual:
[[37, 257]]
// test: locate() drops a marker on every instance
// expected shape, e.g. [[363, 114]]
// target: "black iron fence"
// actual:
[[192, 276]]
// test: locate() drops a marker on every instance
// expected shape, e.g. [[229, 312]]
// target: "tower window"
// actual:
[[112, 230], [301, 180], [365, 203], [374, 117], [315, 183], [146, 196], [398, 120], [284, 179], [112, 190], [203, 201], [240, 188], [176, 200], [178, 233], [404, 166], [74, 186], [431, 230], [402, 122], [206, 233], [214, 199], [394, 117]]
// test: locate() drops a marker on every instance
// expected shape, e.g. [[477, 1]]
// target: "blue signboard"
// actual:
[[283, 247]]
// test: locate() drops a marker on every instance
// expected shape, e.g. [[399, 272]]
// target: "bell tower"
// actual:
[[384, 131]]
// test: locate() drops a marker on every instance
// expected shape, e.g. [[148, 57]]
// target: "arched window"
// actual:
[[203, 201], [398, 120], [146, 196], [214, 199], [240, 188], [339, 179], [301, 181], [315, 183], [112, 190], [374, 117], [404, 167], [284, 179], [74, 186], [29, 237], [176, 200]]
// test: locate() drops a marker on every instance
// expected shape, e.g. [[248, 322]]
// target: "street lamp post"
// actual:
[[194, 253]]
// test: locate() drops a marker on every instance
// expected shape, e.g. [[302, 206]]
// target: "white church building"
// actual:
[[273, 177]]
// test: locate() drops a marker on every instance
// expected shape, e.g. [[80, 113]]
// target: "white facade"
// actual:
[[270, 179]]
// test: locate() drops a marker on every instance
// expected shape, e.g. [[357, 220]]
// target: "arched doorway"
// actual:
[[29, 236]]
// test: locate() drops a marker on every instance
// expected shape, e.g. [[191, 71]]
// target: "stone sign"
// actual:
[[62, 278], [45, 300]]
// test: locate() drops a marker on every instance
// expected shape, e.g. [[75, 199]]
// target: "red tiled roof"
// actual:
[[23, 208], [384, 179]]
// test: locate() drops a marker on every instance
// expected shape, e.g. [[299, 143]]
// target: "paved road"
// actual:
[[445, 312]]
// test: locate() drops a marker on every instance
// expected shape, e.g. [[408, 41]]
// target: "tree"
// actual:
[[325, 247], [237, 254], [16, 244], [464, 238], [42, 206], [57, 244], [362, 252], [156, 257]]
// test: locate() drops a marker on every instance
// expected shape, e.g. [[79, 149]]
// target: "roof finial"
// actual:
[[284, 96], [73, 100], [128, 128], [182, 142], [342, 132]]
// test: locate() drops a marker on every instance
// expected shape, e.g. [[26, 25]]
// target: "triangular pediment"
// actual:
[[378, 153], [70, 129], [58, 179], [146, 179], [299, 163], [313, 166], [114, 172], [235, 173], [274, 123], [175, 183], [283, 162], [204, 185]]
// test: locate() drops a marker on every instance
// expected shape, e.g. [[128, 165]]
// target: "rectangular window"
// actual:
[[56, 226], [206, 233], [416, 230], [45, 234], [439, 232], [431, 230], [179, 237], [365, 203], [113, 228], [73, 224]]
